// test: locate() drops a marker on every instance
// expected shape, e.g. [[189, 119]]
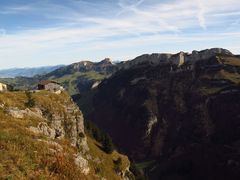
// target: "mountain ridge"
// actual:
[[165, 109], [175, 116], [27, 71], [177, 59]]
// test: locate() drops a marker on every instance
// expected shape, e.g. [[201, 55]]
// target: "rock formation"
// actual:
[[48, 140], [186, 120], [177, 59], [68, 123]]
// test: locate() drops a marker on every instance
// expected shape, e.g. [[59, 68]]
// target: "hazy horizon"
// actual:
[[44, 33], [43, 66]]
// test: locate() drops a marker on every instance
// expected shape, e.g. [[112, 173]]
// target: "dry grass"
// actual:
[[233, 77], [25, 155], [230, 60], [106, 167]]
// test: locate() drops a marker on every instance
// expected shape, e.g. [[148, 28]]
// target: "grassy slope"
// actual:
[[70, 80], [21, 83], [107, 165], [23, 156], [230, 60], [233, 77]]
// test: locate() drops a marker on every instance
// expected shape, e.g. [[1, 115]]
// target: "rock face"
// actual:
[[177, 59], [70, 123], [186, 119], [82, 164], [17, 113], [44, 129], [67, 123], [53, 138]]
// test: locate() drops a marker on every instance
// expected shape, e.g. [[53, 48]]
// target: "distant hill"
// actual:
[[80, 76], [176, 115], [81, 79], [27, 72], [78, 79]]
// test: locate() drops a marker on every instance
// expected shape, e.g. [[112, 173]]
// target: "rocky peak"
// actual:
[[82, 64], [178, 59], [213, 51], [207, 53], [106, 61], [152, 59]]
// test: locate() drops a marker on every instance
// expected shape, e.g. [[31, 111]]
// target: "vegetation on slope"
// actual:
[[107, 167], [21, 83], [187, 119], [27, 155], [79, 81]]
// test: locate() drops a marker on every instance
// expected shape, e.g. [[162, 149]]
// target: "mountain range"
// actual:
[[27, 72], [175, 115], [180, 116]]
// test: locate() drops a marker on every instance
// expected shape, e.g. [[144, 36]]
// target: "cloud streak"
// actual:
[[200, 16], [128, 26]]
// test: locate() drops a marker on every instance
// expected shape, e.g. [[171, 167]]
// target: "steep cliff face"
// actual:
[[185, 119], [177, 59], [45, 139]]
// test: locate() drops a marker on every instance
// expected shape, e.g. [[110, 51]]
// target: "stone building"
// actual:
[[50, 86], [3, 87]]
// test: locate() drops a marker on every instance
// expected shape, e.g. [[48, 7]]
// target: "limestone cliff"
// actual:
[[177, 59], [184, 120], [47, 140]]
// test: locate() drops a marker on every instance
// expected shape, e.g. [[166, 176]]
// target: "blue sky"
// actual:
[[48, 32]]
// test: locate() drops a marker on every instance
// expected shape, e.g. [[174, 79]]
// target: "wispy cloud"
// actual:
[[128, 26], [201, 14], [126, 6]]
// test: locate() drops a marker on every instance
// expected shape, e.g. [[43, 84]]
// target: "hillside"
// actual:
[[79, 79], [21, 83], [27, 72], [176, 115], [46, 140], [180, 118]]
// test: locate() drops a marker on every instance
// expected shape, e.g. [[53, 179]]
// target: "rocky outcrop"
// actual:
[[75, 126], [95, 84], [67, 123], [82, 163], [20, 114], [184, 121], [176, 59], [51, 133], [106, 61], [44, 129]]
